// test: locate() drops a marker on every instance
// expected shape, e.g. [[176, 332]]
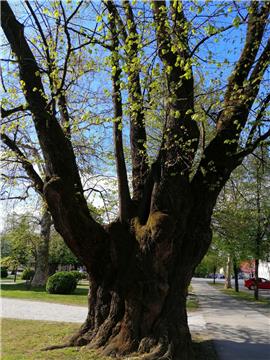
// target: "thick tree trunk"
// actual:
[[42, 261], [121, 322], [139, 305]]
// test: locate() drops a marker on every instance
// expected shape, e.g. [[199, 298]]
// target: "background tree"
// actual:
[[19, 243], [241, 218], [140, 265], [212, 261], [258, 231]]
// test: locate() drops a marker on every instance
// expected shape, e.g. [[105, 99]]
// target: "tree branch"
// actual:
[[47, 51], [181, 133], [255, 29], [6, 113], [63, 189], [219, 156], [137, 120], [202, 41], [252, 146], [258, 119], [28, 167], [123, 188], [258, 71]]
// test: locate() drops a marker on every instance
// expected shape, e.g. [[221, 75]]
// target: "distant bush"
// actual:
[[4, 272], [28, 274], [78, 275], [63, 282]]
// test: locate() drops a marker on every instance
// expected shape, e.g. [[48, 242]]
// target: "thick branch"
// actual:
[[50, 135], [137, 121], [255, 29], [181, 133], [63, 190], [219, 158], [123, 188]]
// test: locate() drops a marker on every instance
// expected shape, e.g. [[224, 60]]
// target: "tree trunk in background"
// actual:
[[42, 261], [214, 274], [52, 268], [228, 277], [256, 289], [236, 282]]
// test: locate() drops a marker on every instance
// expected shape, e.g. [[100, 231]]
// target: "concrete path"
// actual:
[[39, 310], [239, 330]]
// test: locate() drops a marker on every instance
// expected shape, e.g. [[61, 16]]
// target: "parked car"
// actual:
[[262, 283], [220, 276]]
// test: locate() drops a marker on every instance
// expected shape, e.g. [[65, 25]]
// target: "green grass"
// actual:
[[24, 339], [241, 295], [192, 302], [20, 291]]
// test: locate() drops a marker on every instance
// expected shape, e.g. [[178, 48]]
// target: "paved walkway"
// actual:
[[39, 310], [239, 330]]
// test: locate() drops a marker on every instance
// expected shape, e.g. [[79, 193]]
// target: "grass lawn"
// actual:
[[23, 339], [19, 291], [192, 302], [239, 295]]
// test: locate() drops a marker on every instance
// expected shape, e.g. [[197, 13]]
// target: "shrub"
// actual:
[[62, 282], [78, 275], [27, 274], [4, 272]]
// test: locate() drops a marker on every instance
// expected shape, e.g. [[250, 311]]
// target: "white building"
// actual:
[[264, 269]]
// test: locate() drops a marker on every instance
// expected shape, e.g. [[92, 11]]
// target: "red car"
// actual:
[[262, 283]]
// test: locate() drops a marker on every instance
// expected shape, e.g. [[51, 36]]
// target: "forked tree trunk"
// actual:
[[42, 261], [139, 304]]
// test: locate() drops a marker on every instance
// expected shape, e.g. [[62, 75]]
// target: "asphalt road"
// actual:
[[263, 293], [240, 330]]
